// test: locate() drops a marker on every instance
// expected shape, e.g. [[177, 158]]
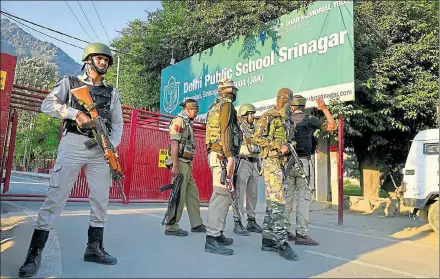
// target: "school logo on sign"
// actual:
[[171, 95]]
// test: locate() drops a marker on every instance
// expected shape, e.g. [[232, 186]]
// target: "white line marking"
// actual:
[[139, 212], [370, 236], [365, 264], [375, 237], [6, 240]]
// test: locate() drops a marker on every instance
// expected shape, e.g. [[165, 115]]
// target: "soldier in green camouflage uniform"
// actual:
[[271, 135]]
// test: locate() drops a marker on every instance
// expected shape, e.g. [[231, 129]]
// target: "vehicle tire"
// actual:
[[433, 215]]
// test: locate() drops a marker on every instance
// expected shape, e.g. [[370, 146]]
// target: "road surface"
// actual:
[[365, 246]]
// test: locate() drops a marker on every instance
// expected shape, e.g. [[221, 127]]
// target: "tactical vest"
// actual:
[[101, 96], [277, 132], [248, 134], [302, 133], [187, 143], [213, 133]]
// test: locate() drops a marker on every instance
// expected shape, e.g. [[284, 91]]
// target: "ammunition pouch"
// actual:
[[187, 150]]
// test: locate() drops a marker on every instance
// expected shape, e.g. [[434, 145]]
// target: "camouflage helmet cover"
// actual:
[[245, 108], [98, 48], [226, 83], [298, 100]]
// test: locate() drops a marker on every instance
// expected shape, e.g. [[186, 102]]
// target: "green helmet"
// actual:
[[298, 100], [245, 108], [98, 48]]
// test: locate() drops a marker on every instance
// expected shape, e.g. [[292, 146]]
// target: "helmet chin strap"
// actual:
[[99, 71]]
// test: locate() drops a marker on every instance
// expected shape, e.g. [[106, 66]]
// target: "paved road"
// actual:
[[28, 185], [365, 246]]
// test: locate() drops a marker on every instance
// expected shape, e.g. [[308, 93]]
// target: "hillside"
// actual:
[[16, 41]]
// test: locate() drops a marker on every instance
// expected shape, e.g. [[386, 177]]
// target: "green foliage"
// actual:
[[396, 72], [351, 165], [38, 137], [37, 133]]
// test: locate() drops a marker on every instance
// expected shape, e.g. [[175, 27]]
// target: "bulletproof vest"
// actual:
[[101, 96], [187, 143], [213, 133], [302, 132], [277, 131], [248, 134]]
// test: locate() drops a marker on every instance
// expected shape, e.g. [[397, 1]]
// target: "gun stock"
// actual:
[[83, 96]]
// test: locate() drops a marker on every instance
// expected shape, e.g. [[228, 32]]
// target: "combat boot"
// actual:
[[223, 240], [95, 249], [213, 246], [33, 258], [290, 236], [240, 229], [305, 240], [268, 245], [252, 226], [287, 252], [201, 228]]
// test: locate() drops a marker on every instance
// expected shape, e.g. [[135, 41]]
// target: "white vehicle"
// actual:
[[421, 177]]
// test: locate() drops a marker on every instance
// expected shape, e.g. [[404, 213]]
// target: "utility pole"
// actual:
[[117, 74]]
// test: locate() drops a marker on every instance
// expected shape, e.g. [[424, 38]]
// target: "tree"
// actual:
[[396, 72], [182, 29], [37, 134]]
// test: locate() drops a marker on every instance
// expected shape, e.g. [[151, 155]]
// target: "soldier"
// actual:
[[248, 171], [223, 138], [182, 149], [302, 128], [271, 135], [73, 155]]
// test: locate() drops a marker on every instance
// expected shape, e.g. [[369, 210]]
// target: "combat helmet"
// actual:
[[298, 100], [98, 48], [225, 83], [245, 108]]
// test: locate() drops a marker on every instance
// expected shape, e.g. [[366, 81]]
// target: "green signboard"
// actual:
[[313, 55]]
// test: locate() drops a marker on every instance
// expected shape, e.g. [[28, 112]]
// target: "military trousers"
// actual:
[[220, 199], [247, 185], [299, 196], [274, 224], [72, 156], [189, 196]]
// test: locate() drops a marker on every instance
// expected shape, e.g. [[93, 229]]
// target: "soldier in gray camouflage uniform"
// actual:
[[248, 172]]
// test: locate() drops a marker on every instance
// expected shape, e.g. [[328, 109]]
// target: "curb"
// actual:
[[51, 261], [31, 174]]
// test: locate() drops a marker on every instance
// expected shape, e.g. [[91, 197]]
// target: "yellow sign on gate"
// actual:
[[2, 80], [163, 154]]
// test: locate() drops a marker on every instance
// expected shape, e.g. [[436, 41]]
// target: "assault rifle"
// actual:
[[173, 201], [100, 135], [295, 162], [230, 185]]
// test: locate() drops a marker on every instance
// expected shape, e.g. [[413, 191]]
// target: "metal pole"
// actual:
[[117, 74], [341, 170]]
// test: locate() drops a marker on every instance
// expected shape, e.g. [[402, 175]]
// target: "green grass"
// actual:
[[355, 190]]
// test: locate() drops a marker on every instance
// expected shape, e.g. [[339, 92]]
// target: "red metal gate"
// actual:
[[145, 134]]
